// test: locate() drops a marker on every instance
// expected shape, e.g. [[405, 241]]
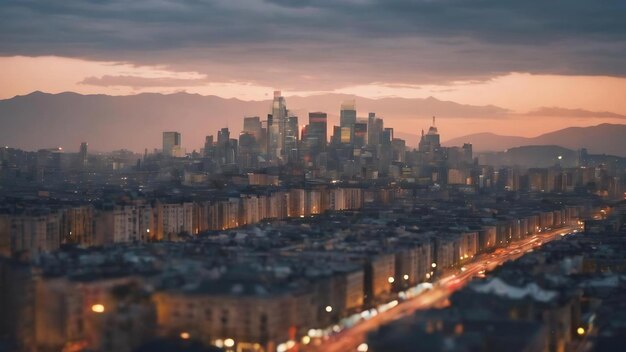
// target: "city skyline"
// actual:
[[312, 175]]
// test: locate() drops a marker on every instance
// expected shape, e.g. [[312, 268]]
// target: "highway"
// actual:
[[349, 340]]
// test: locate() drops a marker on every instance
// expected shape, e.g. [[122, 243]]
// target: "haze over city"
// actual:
[[312, 176]]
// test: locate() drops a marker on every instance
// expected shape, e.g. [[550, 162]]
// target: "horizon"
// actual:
[[460, 114]]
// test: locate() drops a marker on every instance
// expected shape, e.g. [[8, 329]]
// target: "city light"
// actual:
[[362, 347], [184, 335], [434, 265], [229, 343], [390, 279], [97, 308], [329, 309], [406, 277], [306, 340], [580, 330]]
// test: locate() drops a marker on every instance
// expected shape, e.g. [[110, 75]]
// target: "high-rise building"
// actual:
[[347, 119], [374, 130], [248, 151], [314, 136], [360, 134], [276, 125], [252, 125], [171, 143], [82, 154], [318, 125], [430, 141], [292, 137], [209, 147]]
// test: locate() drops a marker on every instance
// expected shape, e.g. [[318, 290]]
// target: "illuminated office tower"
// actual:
[[171, 143], [347, 119]]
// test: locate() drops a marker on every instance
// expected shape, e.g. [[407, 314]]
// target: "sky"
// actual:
[[519, 55]]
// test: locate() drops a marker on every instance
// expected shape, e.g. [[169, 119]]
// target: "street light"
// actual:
[[184, 335], [362, 347], [434, 265], [329, 309], [406, 277], [390, 279], [97, 308], [229, 342]]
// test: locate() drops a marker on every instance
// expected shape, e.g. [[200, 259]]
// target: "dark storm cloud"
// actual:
[[313, 44]]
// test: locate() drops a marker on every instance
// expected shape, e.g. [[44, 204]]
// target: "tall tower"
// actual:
[[276, 142], [171, 143], [347, 119], [430, 141], [82, 154]]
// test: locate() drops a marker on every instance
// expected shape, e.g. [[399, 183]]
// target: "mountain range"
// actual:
[[134, 122], [604, 139]]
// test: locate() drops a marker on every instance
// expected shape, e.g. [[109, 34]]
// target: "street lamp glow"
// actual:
[[362, 347], [229, 342], [434, 265], [97, 308], [390, 279], [329, 309], [306, 340], [406, 277], [184, 335], [580, 331]]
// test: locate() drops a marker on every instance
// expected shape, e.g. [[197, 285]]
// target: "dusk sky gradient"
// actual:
[[519, 55]]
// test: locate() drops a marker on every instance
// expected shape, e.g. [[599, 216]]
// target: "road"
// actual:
[[349, 339]]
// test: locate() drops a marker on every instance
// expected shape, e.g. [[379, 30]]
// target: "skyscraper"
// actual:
[[374, 130], [291, 138], [252, 125], [347, 119], [276, 125], [359, 134], [430, 141], [316, 138], [171, 143], [82, 155]]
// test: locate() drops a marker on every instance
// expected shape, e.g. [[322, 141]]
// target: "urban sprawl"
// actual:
[[286, 240]]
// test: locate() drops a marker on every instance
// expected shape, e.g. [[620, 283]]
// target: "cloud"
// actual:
[[142, 82], [580, 113], [326, 44]]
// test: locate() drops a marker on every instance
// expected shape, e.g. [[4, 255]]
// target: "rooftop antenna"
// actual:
[[433, 121]]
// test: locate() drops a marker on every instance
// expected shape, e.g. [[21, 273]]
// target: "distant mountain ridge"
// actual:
[[602, 139], [43, 120]]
